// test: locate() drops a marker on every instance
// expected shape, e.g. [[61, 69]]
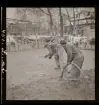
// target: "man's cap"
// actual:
[[63, 41]]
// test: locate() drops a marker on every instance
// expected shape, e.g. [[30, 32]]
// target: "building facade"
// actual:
[[19, 27], [84, 25]]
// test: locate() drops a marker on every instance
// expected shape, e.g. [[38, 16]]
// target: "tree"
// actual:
[[68, 16], [42, 12], [88, 12], [21, 12], [51, 21], [74, 26], [61, 22], [39, 12]]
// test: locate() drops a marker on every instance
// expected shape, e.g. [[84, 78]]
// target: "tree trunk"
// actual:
[[61, 23], [74, 31], [68, 17], [51, 22]]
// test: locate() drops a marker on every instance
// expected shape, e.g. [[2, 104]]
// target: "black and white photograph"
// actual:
[[50, 53]]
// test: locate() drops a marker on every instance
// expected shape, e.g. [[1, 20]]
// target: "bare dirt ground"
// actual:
[[30, 76]]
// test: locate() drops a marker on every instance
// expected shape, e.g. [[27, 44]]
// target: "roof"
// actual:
[[38, 37], [18, 20], [86, 24], [82, 19]]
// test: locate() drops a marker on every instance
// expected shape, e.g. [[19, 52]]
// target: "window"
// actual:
[[92, 27], [82, 32], [88, 13], [77, 15]]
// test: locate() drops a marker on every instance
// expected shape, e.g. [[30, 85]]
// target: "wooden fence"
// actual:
[[25, 44]]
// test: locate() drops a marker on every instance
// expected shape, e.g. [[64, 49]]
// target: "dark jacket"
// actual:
[[71, 51]]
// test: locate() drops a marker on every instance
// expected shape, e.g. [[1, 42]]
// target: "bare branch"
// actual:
[[51, 21], [79, 16], [68, 17], [48, 10], [84, 16], [43, 11]]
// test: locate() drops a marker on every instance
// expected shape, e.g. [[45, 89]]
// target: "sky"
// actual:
[[10, 13]]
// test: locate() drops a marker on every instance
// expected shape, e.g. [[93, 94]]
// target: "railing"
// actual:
[[14, 47], [30, 46], [87, 47]]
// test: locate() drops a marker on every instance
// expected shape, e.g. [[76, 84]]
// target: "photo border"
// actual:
[[3, 70]]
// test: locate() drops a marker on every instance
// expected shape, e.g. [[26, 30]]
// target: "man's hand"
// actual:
[[50, 57], [45, 56]]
